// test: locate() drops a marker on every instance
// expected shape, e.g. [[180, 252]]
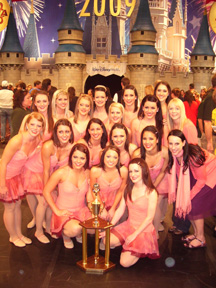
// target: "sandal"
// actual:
[[191, 246], [188, 238]]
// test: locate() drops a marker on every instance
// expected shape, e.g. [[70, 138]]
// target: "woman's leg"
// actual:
[[40, 215], [71, 229], [199, 241], [127, 260], [32, 203], [10, 223]]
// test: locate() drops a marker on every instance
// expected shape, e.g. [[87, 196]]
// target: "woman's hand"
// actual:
[[130, 238], [3, 192], [110, 214], [104, 214], [63, 212]]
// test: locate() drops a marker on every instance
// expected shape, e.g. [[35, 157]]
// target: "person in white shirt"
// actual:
[[6, 108]]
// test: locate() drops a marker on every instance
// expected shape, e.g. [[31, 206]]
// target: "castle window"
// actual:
[[213, 58], [101, 42], [141, 55], [142, 32], [195, 57], [205, 57], [69, 54], [8, 55], [17, 55], [69, 31]]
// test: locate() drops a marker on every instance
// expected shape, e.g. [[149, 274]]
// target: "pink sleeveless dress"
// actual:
[[145, 244], [126, 160], [77, 134], [33, 173], [162, 188], [74, 200], [94, 161], [14, 173], [108, 190]]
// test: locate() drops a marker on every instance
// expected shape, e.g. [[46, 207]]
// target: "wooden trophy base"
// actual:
[[95, 268]]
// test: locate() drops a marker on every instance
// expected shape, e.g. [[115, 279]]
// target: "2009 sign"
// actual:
[[113, 12]]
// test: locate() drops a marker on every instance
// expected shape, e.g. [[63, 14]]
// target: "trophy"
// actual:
[[96, 264], [96, 205]]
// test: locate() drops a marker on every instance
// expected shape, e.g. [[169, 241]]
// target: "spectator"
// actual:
[[191, 107], [118, 95], [6, 108]]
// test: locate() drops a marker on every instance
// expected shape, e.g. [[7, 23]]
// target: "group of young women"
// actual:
[[139, 156]]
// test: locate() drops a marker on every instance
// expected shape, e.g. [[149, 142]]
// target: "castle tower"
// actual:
[[203, 56], [11, 53], [70, 57], [143, 57], [101, 33], [31, 44], [121, 26], [176, 35]]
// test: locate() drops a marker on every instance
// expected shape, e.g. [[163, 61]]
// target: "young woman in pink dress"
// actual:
[[120, 138], [55, 153], [95, 139], [82, 115], [191, 176], [149, 114], [111, 179], [130, 102], [163, 92], [176, 119], [70, 207], [18, 150], [100, 104], [156, 157], [60, 106], [33, 169], [116, 115], [137, 234]]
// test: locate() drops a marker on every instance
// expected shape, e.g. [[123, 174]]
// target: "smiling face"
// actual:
[[150, 109], [118, 137], [42, 103], [135, 173], [95, 131], [175, 145], [84, 107], [100, 98], [27, 101], [129, 97], [174, 111], [63, 134], [78, 160], [149, 141], [116, 115], [34, 127], [62, 101], [111, 159], [162, 92]]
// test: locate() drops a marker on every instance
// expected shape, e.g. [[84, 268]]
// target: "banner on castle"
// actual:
[[4, 14], [106, 69]]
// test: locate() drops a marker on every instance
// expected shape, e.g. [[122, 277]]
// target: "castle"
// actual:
[[155, 51]]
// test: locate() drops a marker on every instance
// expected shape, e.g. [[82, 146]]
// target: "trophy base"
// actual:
[[95, 268]]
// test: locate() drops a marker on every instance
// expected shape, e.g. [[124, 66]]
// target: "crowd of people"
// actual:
[[144, 154]]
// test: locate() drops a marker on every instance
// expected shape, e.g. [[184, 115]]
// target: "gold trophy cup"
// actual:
[[96, 264]]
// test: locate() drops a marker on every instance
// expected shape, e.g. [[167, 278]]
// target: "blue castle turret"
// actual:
[[11, 53], [203, 56]]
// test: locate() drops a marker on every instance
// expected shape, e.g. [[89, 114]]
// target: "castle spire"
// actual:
[[31, 44], [143, 21], [11, 41], [203, 44], [70, 20]]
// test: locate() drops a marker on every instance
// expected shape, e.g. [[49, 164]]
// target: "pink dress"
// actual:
[[14, 172], [77, 134], [190, 132], [145, 244], [108, 190], [126, 160], [162, 188], [94, 161], [33, 173], [74, 200]]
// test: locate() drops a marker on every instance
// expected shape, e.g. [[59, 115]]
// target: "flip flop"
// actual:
[[188, 238], [190, 246]]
